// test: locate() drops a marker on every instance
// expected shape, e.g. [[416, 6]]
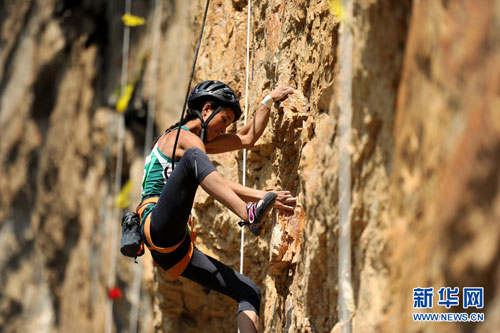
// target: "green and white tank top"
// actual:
[[157, 169]]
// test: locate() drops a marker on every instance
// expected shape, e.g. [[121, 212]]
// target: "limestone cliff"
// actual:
[[425, 160]]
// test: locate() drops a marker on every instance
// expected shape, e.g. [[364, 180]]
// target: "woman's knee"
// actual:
[[192, 153], [197, 163], [193, 150], [257, 291]]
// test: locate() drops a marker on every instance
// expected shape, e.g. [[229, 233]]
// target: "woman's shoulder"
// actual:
[[190, 140], [187, 139]]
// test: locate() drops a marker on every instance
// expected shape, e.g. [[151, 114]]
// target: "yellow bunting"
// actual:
[[122, 104], [132, 20], [337, 10], [123, 198]]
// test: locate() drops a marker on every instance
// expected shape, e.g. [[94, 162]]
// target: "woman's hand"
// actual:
[[281, 93], [285, 200]]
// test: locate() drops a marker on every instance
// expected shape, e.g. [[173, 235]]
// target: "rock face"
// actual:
[[445, 197], [57, 157], [425, 160]]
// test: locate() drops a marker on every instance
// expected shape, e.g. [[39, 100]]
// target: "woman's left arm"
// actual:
[[251, 132], [285, 199]]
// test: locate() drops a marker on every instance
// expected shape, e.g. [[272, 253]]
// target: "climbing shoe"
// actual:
[[131, 244], [257, 213]]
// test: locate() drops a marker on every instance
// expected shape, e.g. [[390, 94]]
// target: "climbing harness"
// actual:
[[132, 242], [174, 272]]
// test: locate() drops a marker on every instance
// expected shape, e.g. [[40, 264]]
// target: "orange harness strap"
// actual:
[[144, 204], [151, 246], [175, 271]]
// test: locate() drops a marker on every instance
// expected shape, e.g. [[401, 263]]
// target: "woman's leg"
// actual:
[[213, 274], [171, 213], [248, 321], [215, 185]]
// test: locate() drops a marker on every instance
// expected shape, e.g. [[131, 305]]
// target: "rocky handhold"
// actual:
[[291, 115], [286, 240]]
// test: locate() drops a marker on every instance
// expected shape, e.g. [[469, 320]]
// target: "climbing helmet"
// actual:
[[217, 90]]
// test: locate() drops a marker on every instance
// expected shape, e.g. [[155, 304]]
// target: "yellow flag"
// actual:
[[337, 10], [132, 20], [123, 198], [122, 104]]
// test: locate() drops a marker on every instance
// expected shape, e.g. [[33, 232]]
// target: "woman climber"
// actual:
[[167, 196]]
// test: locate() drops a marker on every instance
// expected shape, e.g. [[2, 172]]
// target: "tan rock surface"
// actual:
[[425, 160]]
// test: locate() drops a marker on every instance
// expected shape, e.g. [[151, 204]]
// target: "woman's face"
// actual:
[[217, 126]]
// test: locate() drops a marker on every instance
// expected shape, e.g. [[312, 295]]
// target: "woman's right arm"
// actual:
[[252, 131]]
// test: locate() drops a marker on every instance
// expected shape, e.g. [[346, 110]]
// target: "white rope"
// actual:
[[242, 245], [118, 173], [242, 248], [345, 299], [153, 78]]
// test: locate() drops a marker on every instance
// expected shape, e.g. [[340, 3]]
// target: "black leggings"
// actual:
[[168, 226], [213, 274]]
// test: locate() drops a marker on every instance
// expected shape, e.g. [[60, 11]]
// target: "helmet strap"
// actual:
[[203, 131], [204, 124]]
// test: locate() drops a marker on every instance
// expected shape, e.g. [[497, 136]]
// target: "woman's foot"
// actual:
[[257, 213]]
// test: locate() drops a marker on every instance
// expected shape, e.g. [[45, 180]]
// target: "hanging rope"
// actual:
[[242, 245], [190, 81], [153, 77], [118, 172]]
